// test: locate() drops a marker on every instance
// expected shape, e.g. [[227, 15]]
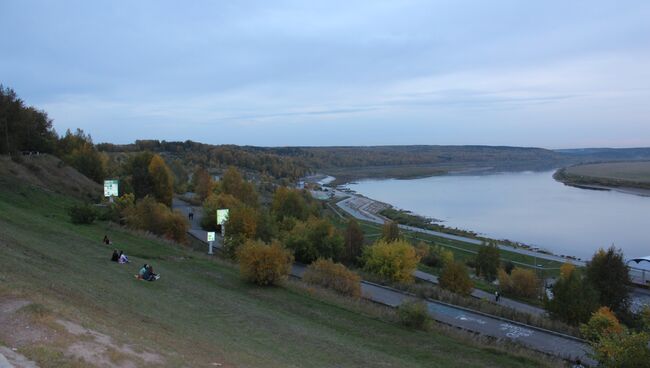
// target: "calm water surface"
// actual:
[[528, 207]]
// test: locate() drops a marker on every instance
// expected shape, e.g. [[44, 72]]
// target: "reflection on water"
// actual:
[[528, 207]]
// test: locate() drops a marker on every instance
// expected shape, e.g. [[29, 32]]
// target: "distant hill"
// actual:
[[607, 154]]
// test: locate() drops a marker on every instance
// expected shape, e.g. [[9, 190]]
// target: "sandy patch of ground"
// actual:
[[28, 327]]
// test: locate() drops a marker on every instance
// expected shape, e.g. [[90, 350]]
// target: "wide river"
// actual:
[[528, 207]]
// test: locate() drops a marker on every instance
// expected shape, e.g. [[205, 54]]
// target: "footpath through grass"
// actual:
[[200, 311]]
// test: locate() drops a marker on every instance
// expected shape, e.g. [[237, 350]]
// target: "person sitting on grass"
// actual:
[[123, 258], [150, 275], [115, 257], [106, 240], [142, 271]]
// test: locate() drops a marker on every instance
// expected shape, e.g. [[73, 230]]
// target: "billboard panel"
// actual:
[[211, 236], [222, 216], [110, 188]]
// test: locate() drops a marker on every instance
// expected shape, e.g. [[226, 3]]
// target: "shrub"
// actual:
[[414, 314], [82, 214], [610, 276], [505, 281], [390, 231], [394, 261], [574, 299], [155, 217], [316, 238], [264, 264], [333, 276], [455, 278]]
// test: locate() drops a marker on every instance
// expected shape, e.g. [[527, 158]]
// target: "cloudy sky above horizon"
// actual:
[[553, 74]]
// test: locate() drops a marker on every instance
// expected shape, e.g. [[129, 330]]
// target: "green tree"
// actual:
[[316, 238], [455, 278], [162, 180], [574, 299], [289, 203], [487, 261], [137, 168], [390, 231], [353, 242], [610, 276]]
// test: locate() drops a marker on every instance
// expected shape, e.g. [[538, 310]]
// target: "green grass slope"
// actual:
[[200, 311]]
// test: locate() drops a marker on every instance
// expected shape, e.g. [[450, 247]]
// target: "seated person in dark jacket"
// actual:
[[116, 256]]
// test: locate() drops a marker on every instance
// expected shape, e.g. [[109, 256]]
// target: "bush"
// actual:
[[414, 314], [316, 238], [82, 214], [455, 278], [150, 215], [508, 266], [333, 276], [394, 261], [264, 264]]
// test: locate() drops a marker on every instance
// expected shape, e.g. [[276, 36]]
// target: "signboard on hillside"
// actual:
[[222, 216], [110, 188], [211, 236]]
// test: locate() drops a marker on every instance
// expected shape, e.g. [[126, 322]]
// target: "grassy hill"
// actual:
[[199, 314]]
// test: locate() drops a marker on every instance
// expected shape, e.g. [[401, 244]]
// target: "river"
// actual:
[[528, 207]]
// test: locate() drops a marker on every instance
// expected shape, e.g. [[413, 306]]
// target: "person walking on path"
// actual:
[[190, 215], [497, 296]]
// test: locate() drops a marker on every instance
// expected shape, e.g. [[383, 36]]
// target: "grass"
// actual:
[[200, 311]]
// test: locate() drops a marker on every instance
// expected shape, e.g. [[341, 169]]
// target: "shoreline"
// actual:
[[362, 207], [604, 184]]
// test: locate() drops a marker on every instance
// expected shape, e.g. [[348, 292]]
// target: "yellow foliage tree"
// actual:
[[455, 278], [395, 261], [335, 276], [566, 269], [525, 282], [162, 180]]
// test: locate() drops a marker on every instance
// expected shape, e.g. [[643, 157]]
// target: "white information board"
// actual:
[[222, 216], [111, 188], [211, 236]]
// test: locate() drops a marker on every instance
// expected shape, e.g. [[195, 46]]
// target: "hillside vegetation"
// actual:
[[612, 174], [199, 313]]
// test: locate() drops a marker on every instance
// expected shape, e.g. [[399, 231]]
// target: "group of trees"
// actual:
[[603, 283]]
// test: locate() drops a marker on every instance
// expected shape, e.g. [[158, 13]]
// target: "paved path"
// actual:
[[480, 294], [537, 339], [357, 207]]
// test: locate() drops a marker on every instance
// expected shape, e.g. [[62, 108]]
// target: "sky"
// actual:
[[554, 74]]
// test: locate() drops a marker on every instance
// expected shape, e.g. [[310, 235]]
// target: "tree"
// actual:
[[264, 264], [316, 238], [202, 183], [289, 203], [234, 184], [353, 242], [574, 299], [487, 261], [210, 206], [137, 168], [390, 231], [394, 261], [23, 128], [455, 278], [602, 322], [162, 180], [610, 276], [525, 283], [615, 346]]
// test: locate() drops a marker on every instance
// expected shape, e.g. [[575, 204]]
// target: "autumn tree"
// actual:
[[455, 278], [264, 264], [390, 231], [233, 183], [162, 180], [487, 261], [210, 206], [202, 183], [137, 169], [610, 276], [289, 203], [353, 242], [395, 261]]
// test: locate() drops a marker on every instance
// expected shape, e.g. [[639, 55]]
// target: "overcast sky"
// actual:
[[553, 74]]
